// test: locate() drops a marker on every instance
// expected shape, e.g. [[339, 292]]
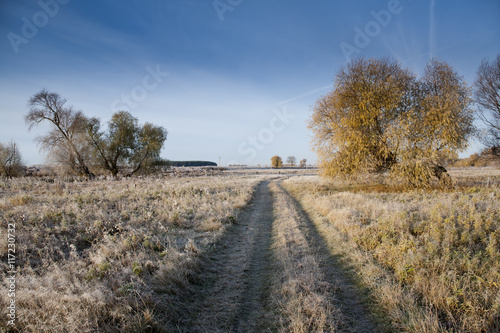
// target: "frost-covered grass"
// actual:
[[111, 255], [431, 258]]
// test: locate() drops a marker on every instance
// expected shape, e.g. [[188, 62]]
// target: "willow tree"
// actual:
[[381, 118], [126, 146], [66, 142]]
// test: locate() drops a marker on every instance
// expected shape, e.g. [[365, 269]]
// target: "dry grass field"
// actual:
[[430, 258], [111, 255], [253, 251]]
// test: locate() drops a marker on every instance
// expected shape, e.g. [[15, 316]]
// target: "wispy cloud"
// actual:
[[452, 45], [431, 28], [306, 94]]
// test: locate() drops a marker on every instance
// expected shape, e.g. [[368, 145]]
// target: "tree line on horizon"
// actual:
[[379, 118], [189, 163]]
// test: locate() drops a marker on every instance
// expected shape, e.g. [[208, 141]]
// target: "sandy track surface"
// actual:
[[235, 300], [272, 272]]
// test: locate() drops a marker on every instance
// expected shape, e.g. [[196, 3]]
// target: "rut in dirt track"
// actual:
[[247, 288], [236, 301]]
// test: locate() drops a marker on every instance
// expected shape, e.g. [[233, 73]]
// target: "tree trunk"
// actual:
[[442, 175]]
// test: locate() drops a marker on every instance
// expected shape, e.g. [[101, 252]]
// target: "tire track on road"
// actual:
[[273, 272], [237, 298]]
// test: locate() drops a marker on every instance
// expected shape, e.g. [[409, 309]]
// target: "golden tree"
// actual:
[[276, 162], [380, 117]]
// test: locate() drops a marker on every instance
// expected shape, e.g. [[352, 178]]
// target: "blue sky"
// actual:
[[228, 78]]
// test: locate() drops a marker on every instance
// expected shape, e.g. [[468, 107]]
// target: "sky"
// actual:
[[228, 79]]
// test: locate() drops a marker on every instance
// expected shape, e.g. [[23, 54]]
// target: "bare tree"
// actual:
[[487, 96], [291, 160], [66, 142], [303, 163], [11, 164]]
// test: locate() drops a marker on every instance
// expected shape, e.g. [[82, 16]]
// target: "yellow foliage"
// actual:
[[276, 162], [380, 117]]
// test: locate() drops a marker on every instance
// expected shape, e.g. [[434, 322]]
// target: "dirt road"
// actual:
[[272, 272]]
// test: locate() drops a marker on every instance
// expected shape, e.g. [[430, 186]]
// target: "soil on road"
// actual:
[[272, 272]]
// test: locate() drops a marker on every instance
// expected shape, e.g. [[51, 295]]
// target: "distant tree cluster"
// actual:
[[381, 117], [277, 162], [487, 157], [192, 163], [83, 147]]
